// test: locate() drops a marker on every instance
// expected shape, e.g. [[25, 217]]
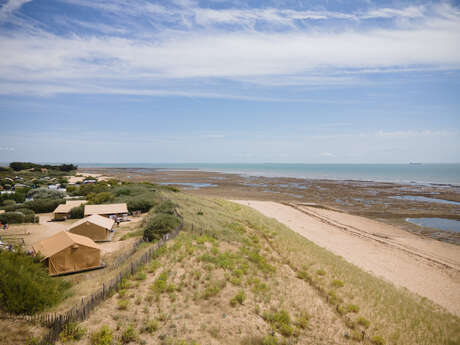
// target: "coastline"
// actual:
[[343, 172], [374, 200], [397, 256]]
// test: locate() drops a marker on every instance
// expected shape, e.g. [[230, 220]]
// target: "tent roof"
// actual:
[[106, 209], [60, 241], [69, 204], [103, 222], [75, 203]]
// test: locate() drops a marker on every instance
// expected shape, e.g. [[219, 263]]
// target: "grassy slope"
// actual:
[[278, 282]]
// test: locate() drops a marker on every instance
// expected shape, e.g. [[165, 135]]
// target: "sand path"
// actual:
[[427, 267]]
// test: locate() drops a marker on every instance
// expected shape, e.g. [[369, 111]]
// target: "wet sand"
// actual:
[[366, 198], [425, 266]]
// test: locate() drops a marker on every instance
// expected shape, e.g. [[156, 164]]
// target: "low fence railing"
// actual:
[[81, 311]]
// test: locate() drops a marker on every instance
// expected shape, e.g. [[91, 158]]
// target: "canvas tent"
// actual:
[[62, 211], [96, 227], [107, 210], [65, 252]]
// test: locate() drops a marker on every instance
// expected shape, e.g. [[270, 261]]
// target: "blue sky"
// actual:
[[230, 81]]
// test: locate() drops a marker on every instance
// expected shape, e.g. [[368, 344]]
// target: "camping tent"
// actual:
[[65, 252], [96, 227], [107, 210], [62, 211]]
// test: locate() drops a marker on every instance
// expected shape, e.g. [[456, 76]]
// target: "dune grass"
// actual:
[[363, 301]]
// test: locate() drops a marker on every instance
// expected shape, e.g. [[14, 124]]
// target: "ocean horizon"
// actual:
[[421, 173]]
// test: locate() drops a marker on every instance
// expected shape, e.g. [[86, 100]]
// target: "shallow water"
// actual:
[[424, 199], [437, 223], [192, 185]]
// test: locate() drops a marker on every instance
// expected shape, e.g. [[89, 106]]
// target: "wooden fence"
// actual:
[[81, 311]]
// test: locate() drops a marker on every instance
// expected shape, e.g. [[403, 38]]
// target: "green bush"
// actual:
[[238, 298], [143, 205], [45, 193], [95, 188], [378, 340], [167, 207], [25, 286], [12, 217], [159, 225], [43, 205], [102, 337], [280, 320], [19, 197], [100, 198], [9, 202], [72, 331], [150, 326], [129, 335], [77, 212]]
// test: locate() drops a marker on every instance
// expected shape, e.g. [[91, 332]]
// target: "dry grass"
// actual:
[[284, 288]]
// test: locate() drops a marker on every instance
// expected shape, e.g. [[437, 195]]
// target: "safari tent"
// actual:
[[96, 227], [63, 210], [107, 210], [65, 252]]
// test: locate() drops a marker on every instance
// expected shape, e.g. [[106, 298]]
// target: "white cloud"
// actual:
[[10, 6], [42, 62]]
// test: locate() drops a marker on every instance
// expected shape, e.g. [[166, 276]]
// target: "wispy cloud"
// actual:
[[106, 58], [10, 6]]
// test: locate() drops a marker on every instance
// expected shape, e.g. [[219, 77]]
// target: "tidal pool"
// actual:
[[437, 223], [190, 185], [424, 199]]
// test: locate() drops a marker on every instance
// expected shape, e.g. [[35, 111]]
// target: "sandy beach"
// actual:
[[425, 266]]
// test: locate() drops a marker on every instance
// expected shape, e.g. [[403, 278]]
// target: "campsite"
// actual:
[[221, 263]]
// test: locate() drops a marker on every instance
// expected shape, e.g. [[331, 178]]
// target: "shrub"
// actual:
[[159, 225], [102, 337], [95, 188], [77, 212], [280, 320], [100, 198], [45, 193], [150, 326], [166, 206], [238, 298], [321, 272], [122, 304], [43, 205], [140, 275], [302, 320], [9, 202], [352, 308], [161, 283], [129, 335], [363, 322], [19, 197], [12, 217], [72, 331], [25, 286], [143, 205], [337, 283], [378, 340]]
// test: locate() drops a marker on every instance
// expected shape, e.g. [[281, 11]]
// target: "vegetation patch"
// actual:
[[25, 286]]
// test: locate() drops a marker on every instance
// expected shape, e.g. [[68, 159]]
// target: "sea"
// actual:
[[400, 173]]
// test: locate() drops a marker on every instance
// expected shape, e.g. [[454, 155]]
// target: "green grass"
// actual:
[[395, 314]]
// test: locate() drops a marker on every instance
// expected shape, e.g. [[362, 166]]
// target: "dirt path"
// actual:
[[427, 267]]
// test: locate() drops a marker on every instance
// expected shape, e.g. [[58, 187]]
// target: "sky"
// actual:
[[128, 81]]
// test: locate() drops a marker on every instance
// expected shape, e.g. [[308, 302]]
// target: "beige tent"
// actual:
[[107, 210], [65, 252], [62, 211], [96, 227]]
